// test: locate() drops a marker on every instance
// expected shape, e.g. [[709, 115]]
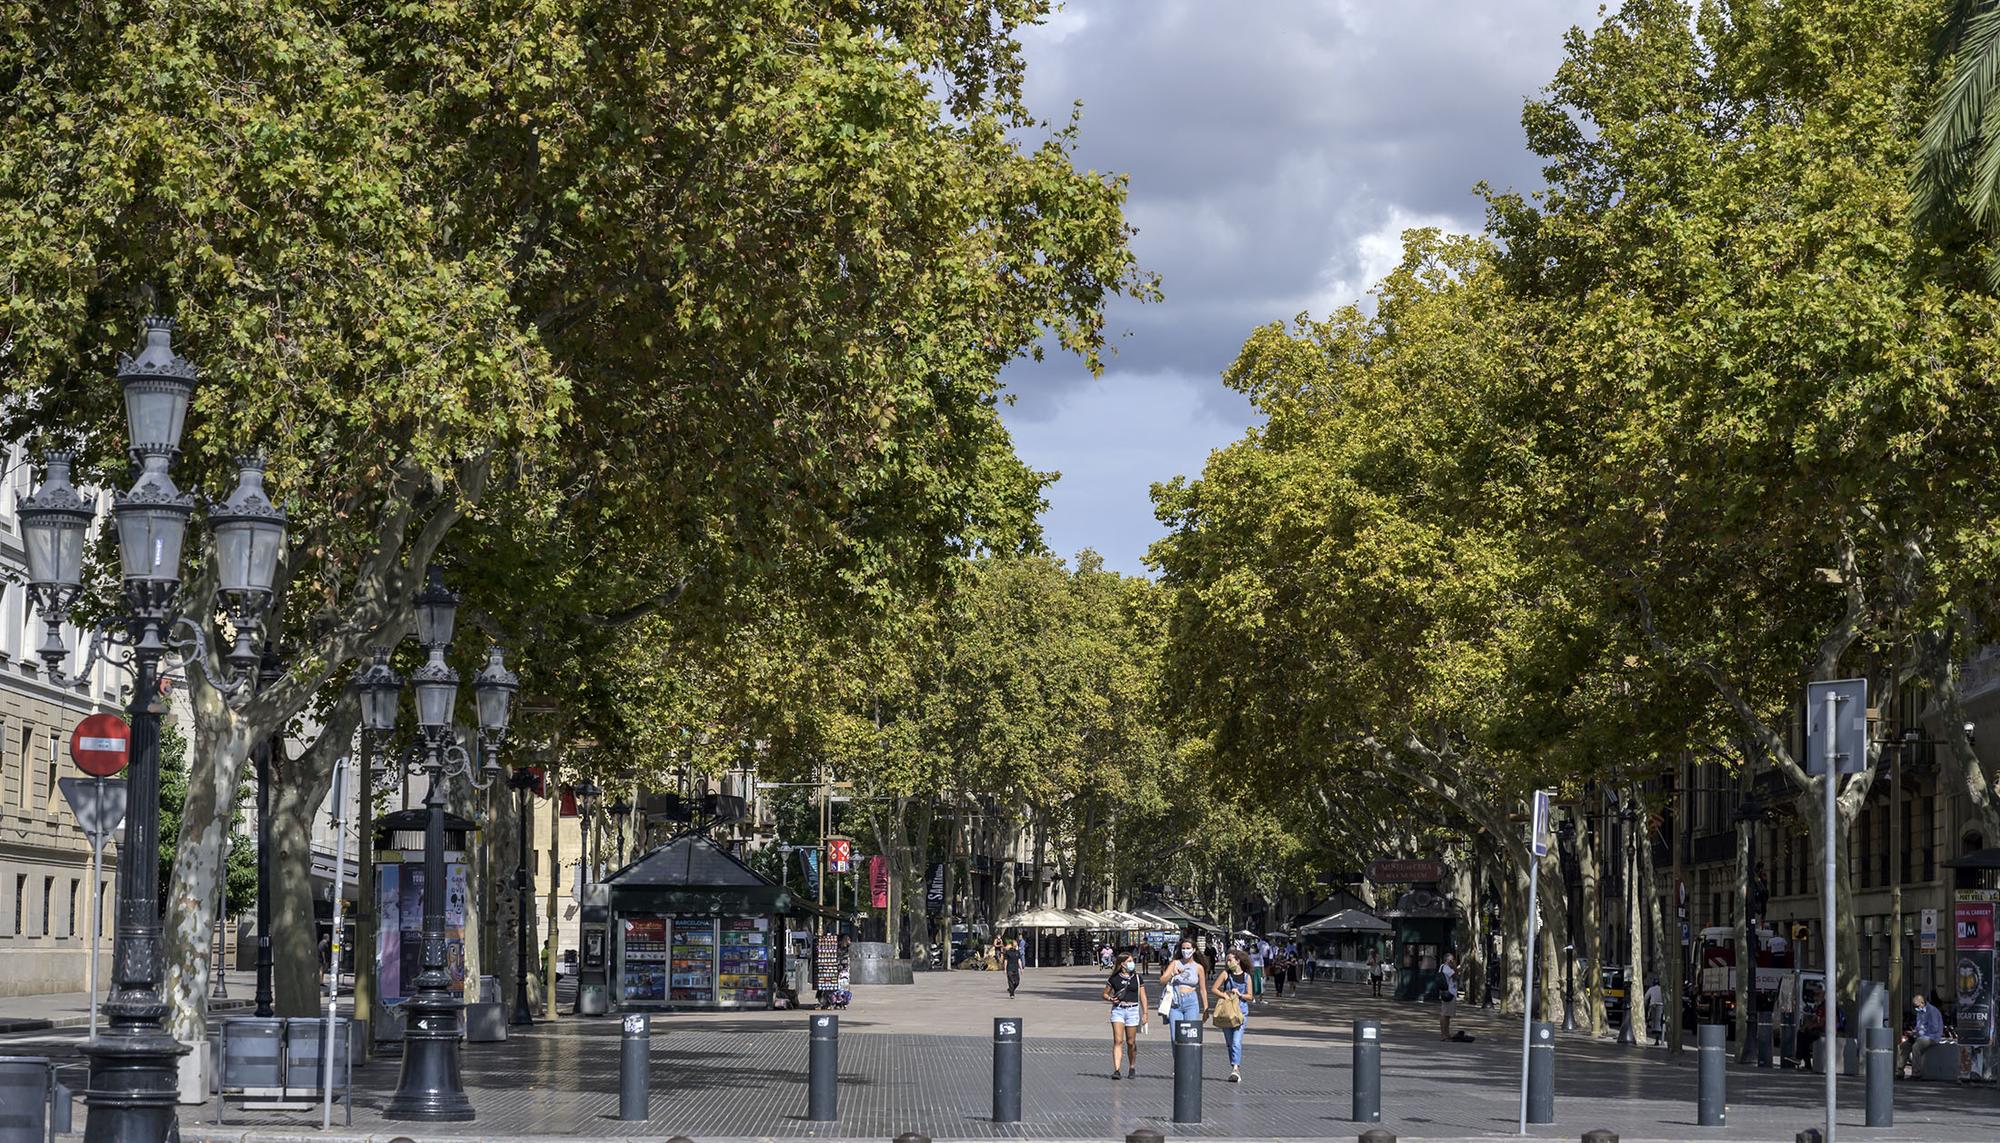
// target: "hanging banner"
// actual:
[[840, 855], [934, 889], [809, 860], [878, 882]]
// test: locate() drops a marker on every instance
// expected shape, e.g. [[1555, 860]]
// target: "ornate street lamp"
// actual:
[[431, 1087], [131, 1093], [619, 811]]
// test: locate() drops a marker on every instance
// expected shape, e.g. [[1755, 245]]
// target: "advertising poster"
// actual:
[[1973, 972], [399, 935]]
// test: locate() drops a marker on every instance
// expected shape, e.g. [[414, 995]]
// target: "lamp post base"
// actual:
[[134, 1091], [430, 1088]]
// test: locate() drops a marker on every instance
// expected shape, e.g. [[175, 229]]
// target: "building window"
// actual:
[[74, 885], [103, 890], [1930, 837], [20, 898], [48, 898], [27, 765], [52, 787]]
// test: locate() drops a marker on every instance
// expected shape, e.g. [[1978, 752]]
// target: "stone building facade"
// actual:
[[46, 896]]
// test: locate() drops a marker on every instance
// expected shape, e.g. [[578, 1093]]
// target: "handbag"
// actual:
[[1227, 1011], [1166, 1001]]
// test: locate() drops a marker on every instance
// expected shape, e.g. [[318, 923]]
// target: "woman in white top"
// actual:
[[1186, 985]]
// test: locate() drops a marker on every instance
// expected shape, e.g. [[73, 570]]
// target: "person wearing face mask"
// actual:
[[1127, 993], [1186, 984]]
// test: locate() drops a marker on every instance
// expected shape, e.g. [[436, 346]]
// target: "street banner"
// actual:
[[878, 882], [840, 855], [934, 889], [809, 860]]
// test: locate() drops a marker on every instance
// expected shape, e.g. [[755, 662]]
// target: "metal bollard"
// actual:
[[1007, 1069], [1881, 1051], [911, 1137], [1711, 1091], [1187, 1071], [1367, 1071], [1761, 1028], [1811, 1135], [635, 1060], [1600, 1136], [1145, 1135], [1378, 1135], [1542, 1073], [822, 1096]]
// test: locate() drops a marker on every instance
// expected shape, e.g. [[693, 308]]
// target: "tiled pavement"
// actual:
[[919, 1058]]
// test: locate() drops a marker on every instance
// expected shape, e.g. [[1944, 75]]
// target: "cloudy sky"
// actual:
[[1277, 149]]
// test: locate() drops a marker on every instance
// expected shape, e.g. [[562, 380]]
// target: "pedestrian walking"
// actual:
[[1927, 1028], [1236, 980], [1260, 955], [1376, 971], [1185, 983], [1127, 994], [1447, 994], [1312, 965], [1011, 956], [1655, 1011]]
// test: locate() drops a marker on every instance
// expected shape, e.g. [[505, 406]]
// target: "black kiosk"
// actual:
[[691, 926]]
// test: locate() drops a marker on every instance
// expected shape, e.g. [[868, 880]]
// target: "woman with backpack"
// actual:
[[1234, 981]]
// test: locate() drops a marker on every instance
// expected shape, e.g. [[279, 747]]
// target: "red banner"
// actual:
[[878, 882]]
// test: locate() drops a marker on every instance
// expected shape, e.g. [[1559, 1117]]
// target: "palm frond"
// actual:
[[1958, 133]]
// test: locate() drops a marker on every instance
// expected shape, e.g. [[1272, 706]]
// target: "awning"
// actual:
[[1978, 859], [1038, 919], [1348, 921]]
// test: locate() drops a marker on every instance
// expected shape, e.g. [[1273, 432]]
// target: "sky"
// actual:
[[1277, 149]]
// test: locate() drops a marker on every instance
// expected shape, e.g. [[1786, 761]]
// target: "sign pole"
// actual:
[[333, 961], [1829, 994], [96, 910], [1537, 848]]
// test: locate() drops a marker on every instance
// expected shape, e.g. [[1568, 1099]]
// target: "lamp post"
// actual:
[[430, 1087], [523, 784], [586, 801], [1628, 878], [620, 810], [132, 1088]]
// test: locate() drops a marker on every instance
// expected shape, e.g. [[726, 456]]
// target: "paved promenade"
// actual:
[[919, 1058]]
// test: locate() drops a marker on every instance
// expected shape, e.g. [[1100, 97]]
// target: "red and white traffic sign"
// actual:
[[100, 745]]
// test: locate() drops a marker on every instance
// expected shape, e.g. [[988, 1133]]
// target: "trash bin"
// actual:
[[24, 1099]]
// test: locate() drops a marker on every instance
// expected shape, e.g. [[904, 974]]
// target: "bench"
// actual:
[[274, 1064], [1940, 1063]]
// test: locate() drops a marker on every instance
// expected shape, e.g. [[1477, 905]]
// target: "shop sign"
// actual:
[[1397, 871]]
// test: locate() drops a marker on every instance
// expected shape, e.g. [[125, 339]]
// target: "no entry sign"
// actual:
[[100, 745]]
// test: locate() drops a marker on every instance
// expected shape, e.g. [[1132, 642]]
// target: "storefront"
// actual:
[[693, 927]]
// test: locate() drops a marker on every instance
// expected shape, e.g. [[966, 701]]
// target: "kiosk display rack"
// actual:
[[644, 958], [691, 977], [746, 962]]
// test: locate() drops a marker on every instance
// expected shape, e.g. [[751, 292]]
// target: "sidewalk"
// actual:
[[53, 1010]]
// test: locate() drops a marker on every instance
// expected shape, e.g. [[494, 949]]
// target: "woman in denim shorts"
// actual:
[[1127, 994]]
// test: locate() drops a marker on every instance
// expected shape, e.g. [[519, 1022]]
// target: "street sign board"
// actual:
[[99, 806], [1398, 871], [840, 855], [1849, 729], [1538, 832], [100, 744], [1927, 931]]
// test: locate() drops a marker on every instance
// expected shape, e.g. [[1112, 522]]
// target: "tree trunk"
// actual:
[[215, 770], [1674, 991], [1746, 941], [295, 965], [1588, 953]]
